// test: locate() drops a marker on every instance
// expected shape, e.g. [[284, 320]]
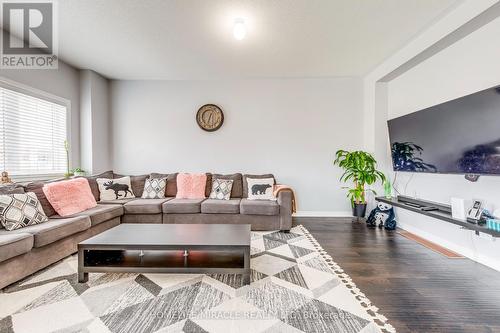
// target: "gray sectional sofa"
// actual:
[[27, 250]]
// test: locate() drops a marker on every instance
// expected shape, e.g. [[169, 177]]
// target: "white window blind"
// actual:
[[32, 135]]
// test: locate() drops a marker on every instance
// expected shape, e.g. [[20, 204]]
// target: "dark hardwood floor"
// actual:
[[417, 289]]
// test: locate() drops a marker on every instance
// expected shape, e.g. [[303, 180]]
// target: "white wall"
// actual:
[[467, 66], [86, 121], [101, 124], [291, 128], [95, 120], [63, 82]]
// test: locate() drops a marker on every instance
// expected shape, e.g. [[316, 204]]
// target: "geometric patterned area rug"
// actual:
[[295, 287]]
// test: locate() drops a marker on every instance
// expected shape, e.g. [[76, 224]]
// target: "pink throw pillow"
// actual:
[[191, 185], [69, 197]]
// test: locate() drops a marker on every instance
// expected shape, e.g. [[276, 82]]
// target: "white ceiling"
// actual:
[[192, 39]]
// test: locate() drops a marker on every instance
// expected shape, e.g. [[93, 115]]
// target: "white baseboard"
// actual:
[[452, 237], [313, 213]]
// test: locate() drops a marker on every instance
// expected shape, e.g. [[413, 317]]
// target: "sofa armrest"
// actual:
[[285, 203]]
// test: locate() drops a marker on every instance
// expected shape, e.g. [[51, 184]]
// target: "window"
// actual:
[[33, 132]]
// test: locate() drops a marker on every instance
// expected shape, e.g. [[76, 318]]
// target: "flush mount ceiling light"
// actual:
[[239, 29]]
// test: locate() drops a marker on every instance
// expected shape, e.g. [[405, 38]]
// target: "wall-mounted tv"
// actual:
[[461, 136]]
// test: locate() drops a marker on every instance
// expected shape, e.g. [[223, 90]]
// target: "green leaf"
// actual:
[[360, 169]]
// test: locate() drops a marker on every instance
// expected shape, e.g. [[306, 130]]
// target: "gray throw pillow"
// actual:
[[21, 210], [221, 189], [171, 190], [154, 188], [237, 189]]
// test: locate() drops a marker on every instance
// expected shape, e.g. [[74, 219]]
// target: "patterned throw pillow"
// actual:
[[114, 189], [154, 188], [260, 189], [21, 210], [221, 189]]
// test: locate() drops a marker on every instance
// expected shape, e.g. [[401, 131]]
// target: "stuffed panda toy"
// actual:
[[383, 215]]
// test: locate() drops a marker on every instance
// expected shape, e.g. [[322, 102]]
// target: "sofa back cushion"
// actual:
[[245, 183], [11, 189], [69, 197], [93, 183], [237, 189], [171, 190], [191, 185], [37, 188], [208, 185], [137, 183]]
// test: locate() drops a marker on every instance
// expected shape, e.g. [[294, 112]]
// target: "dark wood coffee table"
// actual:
[[168, 248]]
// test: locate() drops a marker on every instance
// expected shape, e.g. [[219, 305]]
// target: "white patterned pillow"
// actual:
[[21, 210], [260, 188], [221, 189], [114, 189], [154, 188]]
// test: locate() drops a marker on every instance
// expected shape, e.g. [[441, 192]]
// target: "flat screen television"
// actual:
[[461, 136]]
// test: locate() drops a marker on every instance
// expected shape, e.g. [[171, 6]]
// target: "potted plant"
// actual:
[[360, 168], [79, 172]]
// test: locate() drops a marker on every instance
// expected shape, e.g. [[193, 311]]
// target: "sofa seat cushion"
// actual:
[[55, 229], [117, 202], [215, 206], [259, 207], [182, 206], [14, 244], [145, 206], [99, 214], [143, 218]]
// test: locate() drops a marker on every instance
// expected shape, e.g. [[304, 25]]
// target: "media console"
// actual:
[[439, 211]]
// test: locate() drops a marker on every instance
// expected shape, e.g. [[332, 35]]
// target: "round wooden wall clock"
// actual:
[[210, 117]]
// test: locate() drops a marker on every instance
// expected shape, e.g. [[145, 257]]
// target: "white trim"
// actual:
[[28, 90], [27, 179], [313, 213], [470, 253], [417, 224]]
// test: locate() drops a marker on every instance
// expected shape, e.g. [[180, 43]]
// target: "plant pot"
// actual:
[[359, 210], [79, 173]]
